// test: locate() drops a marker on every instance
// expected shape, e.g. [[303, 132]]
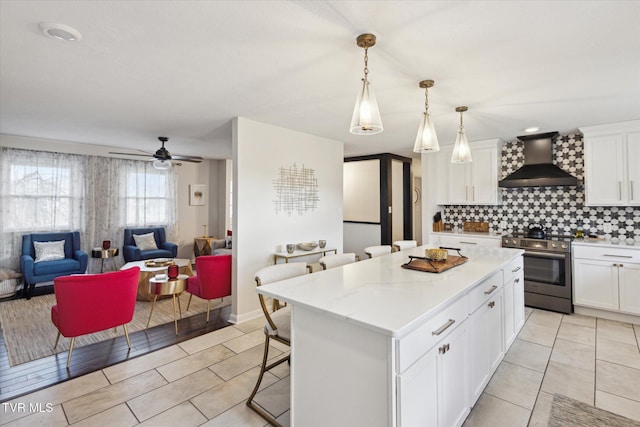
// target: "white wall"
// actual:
[[259, 151]]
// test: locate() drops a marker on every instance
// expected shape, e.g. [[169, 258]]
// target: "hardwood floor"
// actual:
[[35, 375]]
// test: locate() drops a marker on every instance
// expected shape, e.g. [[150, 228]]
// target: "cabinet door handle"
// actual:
[[473, 193], [491, 289], [444, 327], [631, 190], [619, 190], [442, 349], [492, 304], [516, 269], [621, 265], [517, 280], [619, 256], [468, 243]]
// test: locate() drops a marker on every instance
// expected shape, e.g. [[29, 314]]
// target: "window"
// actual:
[[147, 197], [42, 193]]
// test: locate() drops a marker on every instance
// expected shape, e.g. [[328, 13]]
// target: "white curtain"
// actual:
[[98, 196]]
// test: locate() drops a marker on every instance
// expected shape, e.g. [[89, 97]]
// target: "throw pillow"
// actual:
[[49, 251], [145, 242], [227, 242]]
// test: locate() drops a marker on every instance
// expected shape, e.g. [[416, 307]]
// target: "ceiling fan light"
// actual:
[[162, 164], [426, 139]]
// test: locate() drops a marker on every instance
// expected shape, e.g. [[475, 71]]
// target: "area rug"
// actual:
[[30, 335], [567, 412]]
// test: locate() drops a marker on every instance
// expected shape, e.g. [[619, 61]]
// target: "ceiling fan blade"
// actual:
[[131, 154], [192, 159]]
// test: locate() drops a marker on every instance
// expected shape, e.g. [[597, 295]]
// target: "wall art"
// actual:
[[197, 194], [296, 190]]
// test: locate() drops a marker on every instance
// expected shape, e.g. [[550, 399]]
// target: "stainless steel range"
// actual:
[[547, 270]]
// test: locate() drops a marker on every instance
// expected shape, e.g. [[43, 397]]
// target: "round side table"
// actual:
[[102, 254], [166, 286]]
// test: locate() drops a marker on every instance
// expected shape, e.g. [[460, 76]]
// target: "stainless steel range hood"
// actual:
[[538, 169]]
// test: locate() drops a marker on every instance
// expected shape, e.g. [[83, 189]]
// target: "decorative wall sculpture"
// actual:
[[296, 190]]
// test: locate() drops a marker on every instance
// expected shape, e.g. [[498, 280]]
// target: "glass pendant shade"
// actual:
[[162, 164], [426, 140], [366, 116], [461, 151]]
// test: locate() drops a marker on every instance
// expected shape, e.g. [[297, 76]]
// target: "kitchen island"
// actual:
[[378, 345]]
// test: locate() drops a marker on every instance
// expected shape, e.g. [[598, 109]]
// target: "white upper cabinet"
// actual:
[[474, 183], [612, 164]]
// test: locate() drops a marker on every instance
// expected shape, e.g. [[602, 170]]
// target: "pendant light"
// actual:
[[366, 116], [461, 151], [426, 140]]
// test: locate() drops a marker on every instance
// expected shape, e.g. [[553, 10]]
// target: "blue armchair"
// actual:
[[132, 253], [75, 260]]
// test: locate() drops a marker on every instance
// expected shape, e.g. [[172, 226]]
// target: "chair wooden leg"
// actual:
[[126, 334], [57, 339], [73, 340], [189, 302], [208, 309]]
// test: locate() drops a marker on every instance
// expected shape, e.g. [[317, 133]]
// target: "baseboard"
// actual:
[[605, 314], [244, 317]]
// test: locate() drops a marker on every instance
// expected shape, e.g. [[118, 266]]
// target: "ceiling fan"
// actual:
[[162, 157]]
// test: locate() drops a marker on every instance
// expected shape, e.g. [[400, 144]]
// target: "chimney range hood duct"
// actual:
[[538, 169]]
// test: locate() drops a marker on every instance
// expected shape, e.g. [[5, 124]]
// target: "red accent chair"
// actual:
[[212, 279], [88, 303]]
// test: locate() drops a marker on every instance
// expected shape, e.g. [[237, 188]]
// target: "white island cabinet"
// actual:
[[376, 344]]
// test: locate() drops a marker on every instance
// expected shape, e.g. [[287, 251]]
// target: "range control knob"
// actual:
[[563, 246], [514, 241], [553, 245]]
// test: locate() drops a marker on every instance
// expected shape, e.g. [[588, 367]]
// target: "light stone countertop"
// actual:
[[606, 243], [489, 235], [379, 294]]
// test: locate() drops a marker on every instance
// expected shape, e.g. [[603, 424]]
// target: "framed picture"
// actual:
[[197, 194]]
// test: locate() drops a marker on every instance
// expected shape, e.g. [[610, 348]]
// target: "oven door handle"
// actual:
[[545, 255]]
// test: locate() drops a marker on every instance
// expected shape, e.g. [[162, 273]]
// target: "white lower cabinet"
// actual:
[[431, 392], [607, 278], [445, 364], [513, 298], [596, 284], [485, 342]]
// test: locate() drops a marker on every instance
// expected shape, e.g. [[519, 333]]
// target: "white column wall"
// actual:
[[259, 151]]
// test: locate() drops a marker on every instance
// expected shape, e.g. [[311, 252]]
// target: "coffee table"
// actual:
[[147, 273], [168, 287]]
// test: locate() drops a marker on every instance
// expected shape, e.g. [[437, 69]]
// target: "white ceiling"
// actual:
[[184, 69]]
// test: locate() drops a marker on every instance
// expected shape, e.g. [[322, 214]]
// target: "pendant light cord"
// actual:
[[426, 100]]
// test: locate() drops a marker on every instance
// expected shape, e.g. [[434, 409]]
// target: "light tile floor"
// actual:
[[206, 380]]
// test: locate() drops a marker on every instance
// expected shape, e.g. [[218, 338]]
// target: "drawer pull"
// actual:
[[619, 256], [468, 243], [444, 327], [492, 304], [491, 289], [516, 269]]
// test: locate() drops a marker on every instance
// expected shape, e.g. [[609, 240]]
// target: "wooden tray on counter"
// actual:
[[430, 266]]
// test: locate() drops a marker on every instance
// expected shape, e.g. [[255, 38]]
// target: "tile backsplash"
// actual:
[[560, 209]]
